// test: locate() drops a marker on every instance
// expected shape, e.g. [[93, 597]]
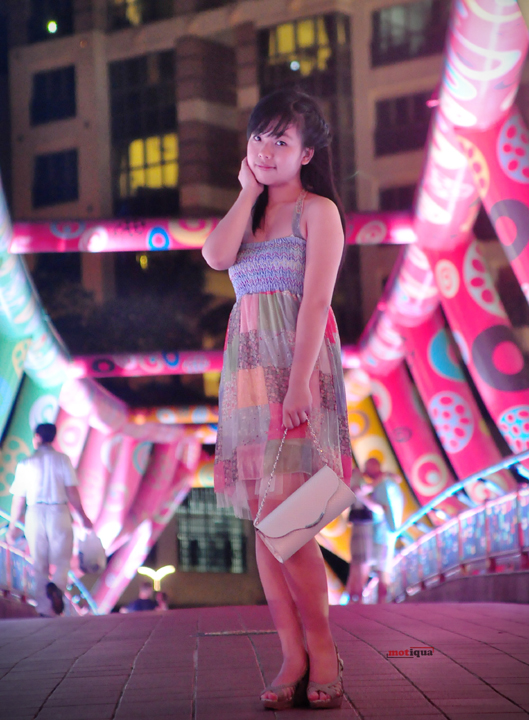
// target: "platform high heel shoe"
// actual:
[[285, 698], [334, 690]]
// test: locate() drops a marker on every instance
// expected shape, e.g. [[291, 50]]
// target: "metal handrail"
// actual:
[[84, 592], [457, 487]]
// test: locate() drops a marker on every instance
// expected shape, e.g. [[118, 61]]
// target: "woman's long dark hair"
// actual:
[[273, 114]]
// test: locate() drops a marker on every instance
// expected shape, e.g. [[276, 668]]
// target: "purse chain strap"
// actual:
[[318, 448]]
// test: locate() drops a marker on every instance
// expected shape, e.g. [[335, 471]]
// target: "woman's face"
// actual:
[[277, 160]]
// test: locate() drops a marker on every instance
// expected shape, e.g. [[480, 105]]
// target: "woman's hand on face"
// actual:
[[296, 406], [248, 180]]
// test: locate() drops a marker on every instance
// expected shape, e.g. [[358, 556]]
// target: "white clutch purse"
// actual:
[[303, 514]]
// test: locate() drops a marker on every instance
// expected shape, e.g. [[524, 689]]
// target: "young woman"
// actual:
[[283, 241]]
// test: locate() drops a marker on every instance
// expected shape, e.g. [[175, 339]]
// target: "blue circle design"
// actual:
[[66, 230], [440, 360], [171, 359], [158, 239]]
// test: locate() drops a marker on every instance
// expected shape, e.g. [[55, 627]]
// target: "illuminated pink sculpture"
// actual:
[[155, 483], [95, 468], [411, 437], [142, 364], [395, 228], [132, 459], [499, 161], [454, 413], [71, 435]]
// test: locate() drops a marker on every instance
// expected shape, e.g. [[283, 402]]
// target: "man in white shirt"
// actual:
[[46, 482]]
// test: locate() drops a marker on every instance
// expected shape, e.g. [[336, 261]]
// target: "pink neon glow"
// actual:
[[411, 437], [142, 364], [386, 228]]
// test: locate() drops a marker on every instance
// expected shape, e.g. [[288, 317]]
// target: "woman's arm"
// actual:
[[221, 247], [325, 241]]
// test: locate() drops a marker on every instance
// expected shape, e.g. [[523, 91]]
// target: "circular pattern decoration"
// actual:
[[447, 278], [401, 434], [43, 410], [429, 475], [158, 239], [358, 423], [18, 356], [195, 365], [442, 358], [109, 451], [141, 455], [172, 359], [499, 361], [191, 233], [204, 475], [382, 400], [199, 415], [67, 230], [166, 416], [477, 164], [478, 282], [13, 451], [103, 365], [513, 149], [151, 363], [511, 222], [514, 426], [71, 435], [373, 233], [94, 240], [452, 419]]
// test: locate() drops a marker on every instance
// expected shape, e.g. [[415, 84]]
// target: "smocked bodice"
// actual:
[[269, 266]]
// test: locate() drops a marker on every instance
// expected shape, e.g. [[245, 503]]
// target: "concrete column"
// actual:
[[207, 126], [247, 76]]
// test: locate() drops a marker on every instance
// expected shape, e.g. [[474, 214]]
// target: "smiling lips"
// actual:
[[266, 167]]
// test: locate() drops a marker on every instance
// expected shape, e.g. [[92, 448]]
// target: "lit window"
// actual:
[[210, 539], [304, 45], [402, 32], [149, 163]]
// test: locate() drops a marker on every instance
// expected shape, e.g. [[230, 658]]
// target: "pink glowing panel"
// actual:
[[71, 435], [485, 337], [125, 562], [86, 398], [142, 364], [111, 235], [95, 468], [382, 228], [447, 199], [165, 462], [486, 48], [393, 228], [499, 161], [132, 459], [434, 363], [184, 415], [411, 437]]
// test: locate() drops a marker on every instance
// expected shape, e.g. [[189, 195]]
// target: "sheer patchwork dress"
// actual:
[[268, 280]]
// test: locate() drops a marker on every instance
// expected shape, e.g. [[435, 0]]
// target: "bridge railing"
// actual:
[[487, 538], [17, 578]]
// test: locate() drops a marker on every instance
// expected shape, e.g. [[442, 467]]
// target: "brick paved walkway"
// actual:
[[209, 664]]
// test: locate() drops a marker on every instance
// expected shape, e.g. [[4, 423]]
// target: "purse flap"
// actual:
[[304, 508]]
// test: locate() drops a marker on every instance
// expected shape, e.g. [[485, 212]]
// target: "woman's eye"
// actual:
[[281, 142], [257, 138]]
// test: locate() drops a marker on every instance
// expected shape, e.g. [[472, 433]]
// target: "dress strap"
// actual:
[[296, 231]]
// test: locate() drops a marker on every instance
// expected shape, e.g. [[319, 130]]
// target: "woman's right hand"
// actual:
[[248, 180]]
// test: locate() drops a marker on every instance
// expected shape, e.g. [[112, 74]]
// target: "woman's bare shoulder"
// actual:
[[321, 206]]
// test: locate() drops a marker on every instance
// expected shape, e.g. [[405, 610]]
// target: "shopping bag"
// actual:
[[92, 558]]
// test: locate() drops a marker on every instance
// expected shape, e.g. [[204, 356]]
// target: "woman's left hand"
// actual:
[[296, 406]]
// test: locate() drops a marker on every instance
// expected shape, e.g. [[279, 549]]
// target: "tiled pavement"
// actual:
[[210, 664]]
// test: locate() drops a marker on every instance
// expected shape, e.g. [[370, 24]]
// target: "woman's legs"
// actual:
[[307, 580], [285, 616]]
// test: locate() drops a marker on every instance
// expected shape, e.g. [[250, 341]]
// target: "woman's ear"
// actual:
[[308, 154]]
